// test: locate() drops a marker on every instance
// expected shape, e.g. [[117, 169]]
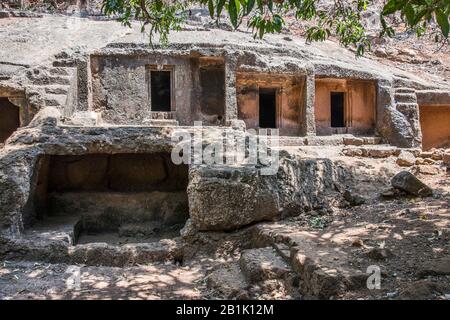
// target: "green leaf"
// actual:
[[233, 12], [250, 5], [442, 20], [392, 6], [211, 8], [409, 12], [220, 5]]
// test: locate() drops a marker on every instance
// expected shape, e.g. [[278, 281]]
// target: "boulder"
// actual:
[[407, 182], [227, 198]]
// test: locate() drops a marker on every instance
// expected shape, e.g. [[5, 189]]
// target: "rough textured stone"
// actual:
[[435, 267], [407, 182], [379, 254], [248, 195], [228, 280], [263, 264], [253, 197], [426, 169], [421, 290], [353, 198], [446, 158], [406, 159], [354, 141], [353, 152]]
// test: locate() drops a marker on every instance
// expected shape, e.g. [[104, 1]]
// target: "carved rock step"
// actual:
[[372, 152], [263, 264], [55, 100], [161, 122], [58, 71], [229, 281], [130, 254], [93, 254], [404, 90], [405, 97], [322, 268], [44, 80], [358, 141], [57, 89], [258, 273]]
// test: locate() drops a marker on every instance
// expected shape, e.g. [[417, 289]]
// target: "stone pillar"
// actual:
[[83, 90], [308, 117], [384, 100], [231, 111]]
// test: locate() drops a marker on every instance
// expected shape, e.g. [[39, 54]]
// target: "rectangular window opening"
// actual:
[[160, 82]]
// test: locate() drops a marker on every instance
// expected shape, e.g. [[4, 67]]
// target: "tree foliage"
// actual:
[[341, 18]]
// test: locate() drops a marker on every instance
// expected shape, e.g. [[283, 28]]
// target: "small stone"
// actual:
[[379, 254], [420, 161], [353, 198], [391, 193], [426, 154], [353, 152], [437, 155], [357, 243], [428, 161], [406, 159], [446, 159]]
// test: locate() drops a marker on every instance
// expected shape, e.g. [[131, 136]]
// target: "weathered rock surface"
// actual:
[[426, 169], [435, 267], [252, 197], [322, 268], [263, 264], [407, 182], [353, 198], [354, 141], [421, 290], [229, 281], [248, 195], [446, 158], [406, 159]]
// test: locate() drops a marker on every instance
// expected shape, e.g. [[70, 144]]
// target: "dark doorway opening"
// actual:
[[160, 90], [337, 109], [9, 119], [212, 82], [267, 108]]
